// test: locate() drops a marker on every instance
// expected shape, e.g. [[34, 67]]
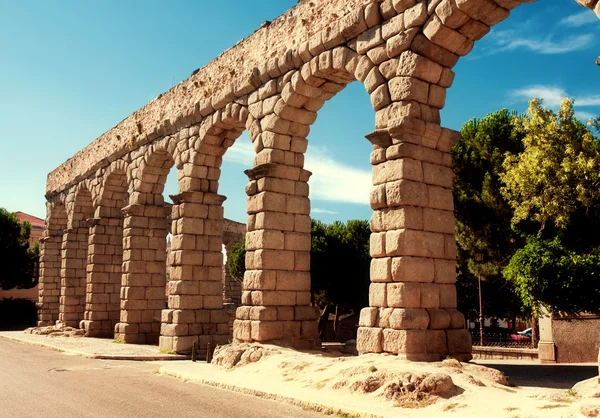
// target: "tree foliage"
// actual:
[[483, 215], [553, 187], [340, 264], [559, 170], [236, 262], [16, 258]]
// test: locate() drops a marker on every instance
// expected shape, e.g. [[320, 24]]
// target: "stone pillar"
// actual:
[[144, 273], [103, 302], [195, 305], [276, 297], [49, 283], [73, 274], [412, 296]]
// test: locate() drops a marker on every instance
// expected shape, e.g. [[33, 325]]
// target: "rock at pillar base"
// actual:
[[459, 344]]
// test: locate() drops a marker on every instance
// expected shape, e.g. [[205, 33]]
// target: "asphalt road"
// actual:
[[39, 382]]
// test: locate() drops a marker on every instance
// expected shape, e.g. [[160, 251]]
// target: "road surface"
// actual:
[[39, 382]]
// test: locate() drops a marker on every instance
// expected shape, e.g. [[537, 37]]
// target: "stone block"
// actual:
[[242, 330], [406, 192], [392, 27], [285, 313], [390, 340], [383, 317], [377, 244], [430, 295], [305, 313], [266, 330], [274, 259], [457, 319], [442, 35], [369, 39], [449, 247], [439, 319], [486, 11], [436, 342], [459, 341], [264, 239], [377, 295], [380, 270], [369, 340], [411, 318], [403, 217], [260, 280], [293, 280], [445, 271], [440, 198], [414, 65], [412, 341], [413, 269], [437, 220], [409, 242], [474, 30], [310, 330], [263, 313], [447, 296], [368, 317], [409, 88], [401, 169], [273, 298], [403, 295], [450, 15], [399, 43], [437, 175]]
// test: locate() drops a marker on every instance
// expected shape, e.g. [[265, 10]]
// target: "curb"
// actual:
[[142, 357], [306, 405]]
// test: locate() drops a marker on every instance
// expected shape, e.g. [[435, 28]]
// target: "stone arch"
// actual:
[[145, 229], [75, 256], [195, 312], [103, 285], [50, 263]]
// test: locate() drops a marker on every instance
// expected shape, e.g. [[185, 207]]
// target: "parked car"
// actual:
[[527, 332]]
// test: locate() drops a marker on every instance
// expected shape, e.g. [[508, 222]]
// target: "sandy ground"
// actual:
[[334, 384]]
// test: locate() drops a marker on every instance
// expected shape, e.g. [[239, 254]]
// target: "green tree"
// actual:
[[554, 188], [483, 215], [16, 258], [237, 260], [340, 263]]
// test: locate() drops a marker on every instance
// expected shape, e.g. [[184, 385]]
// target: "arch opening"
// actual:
[[75, 260], [103, 285]]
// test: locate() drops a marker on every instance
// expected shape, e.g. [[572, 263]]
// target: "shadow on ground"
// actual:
[[552, 376]]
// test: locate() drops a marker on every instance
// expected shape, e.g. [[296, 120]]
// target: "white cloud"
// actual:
[[552, 96], [580, 19], [242, 152], [332, 180], [510, 40], [325, 211], [583, 115]]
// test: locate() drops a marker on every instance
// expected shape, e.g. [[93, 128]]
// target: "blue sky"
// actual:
[[70, 73]]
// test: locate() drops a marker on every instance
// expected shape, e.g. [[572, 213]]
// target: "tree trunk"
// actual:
[[534, 331], [336, 320]]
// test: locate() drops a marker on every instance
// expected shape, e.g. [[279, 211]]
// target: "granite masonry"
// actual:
[[103, 262]]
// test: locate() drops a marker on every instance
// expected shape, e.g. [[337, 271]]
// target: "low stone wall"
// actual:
[[573, 339], [504, 353]]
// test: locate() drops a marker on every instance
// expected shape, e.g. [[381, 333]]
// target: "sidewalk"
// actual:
[[96, 348]]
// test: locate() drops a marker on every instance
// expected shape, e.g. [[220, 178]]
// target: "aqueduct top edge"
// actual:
[[232, 74]]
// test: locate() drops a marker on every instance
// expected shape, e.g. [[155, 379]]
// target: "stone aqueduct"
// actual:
[[103, 254]]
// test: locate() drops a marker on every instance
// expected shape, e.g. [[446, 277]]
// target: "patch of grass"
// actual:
[[572, 392], [166, 351], [552, 406], [415, 400], [301, 366], [453, 406], [321, 384], [510, 409], [117, 341], [372, 369]]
